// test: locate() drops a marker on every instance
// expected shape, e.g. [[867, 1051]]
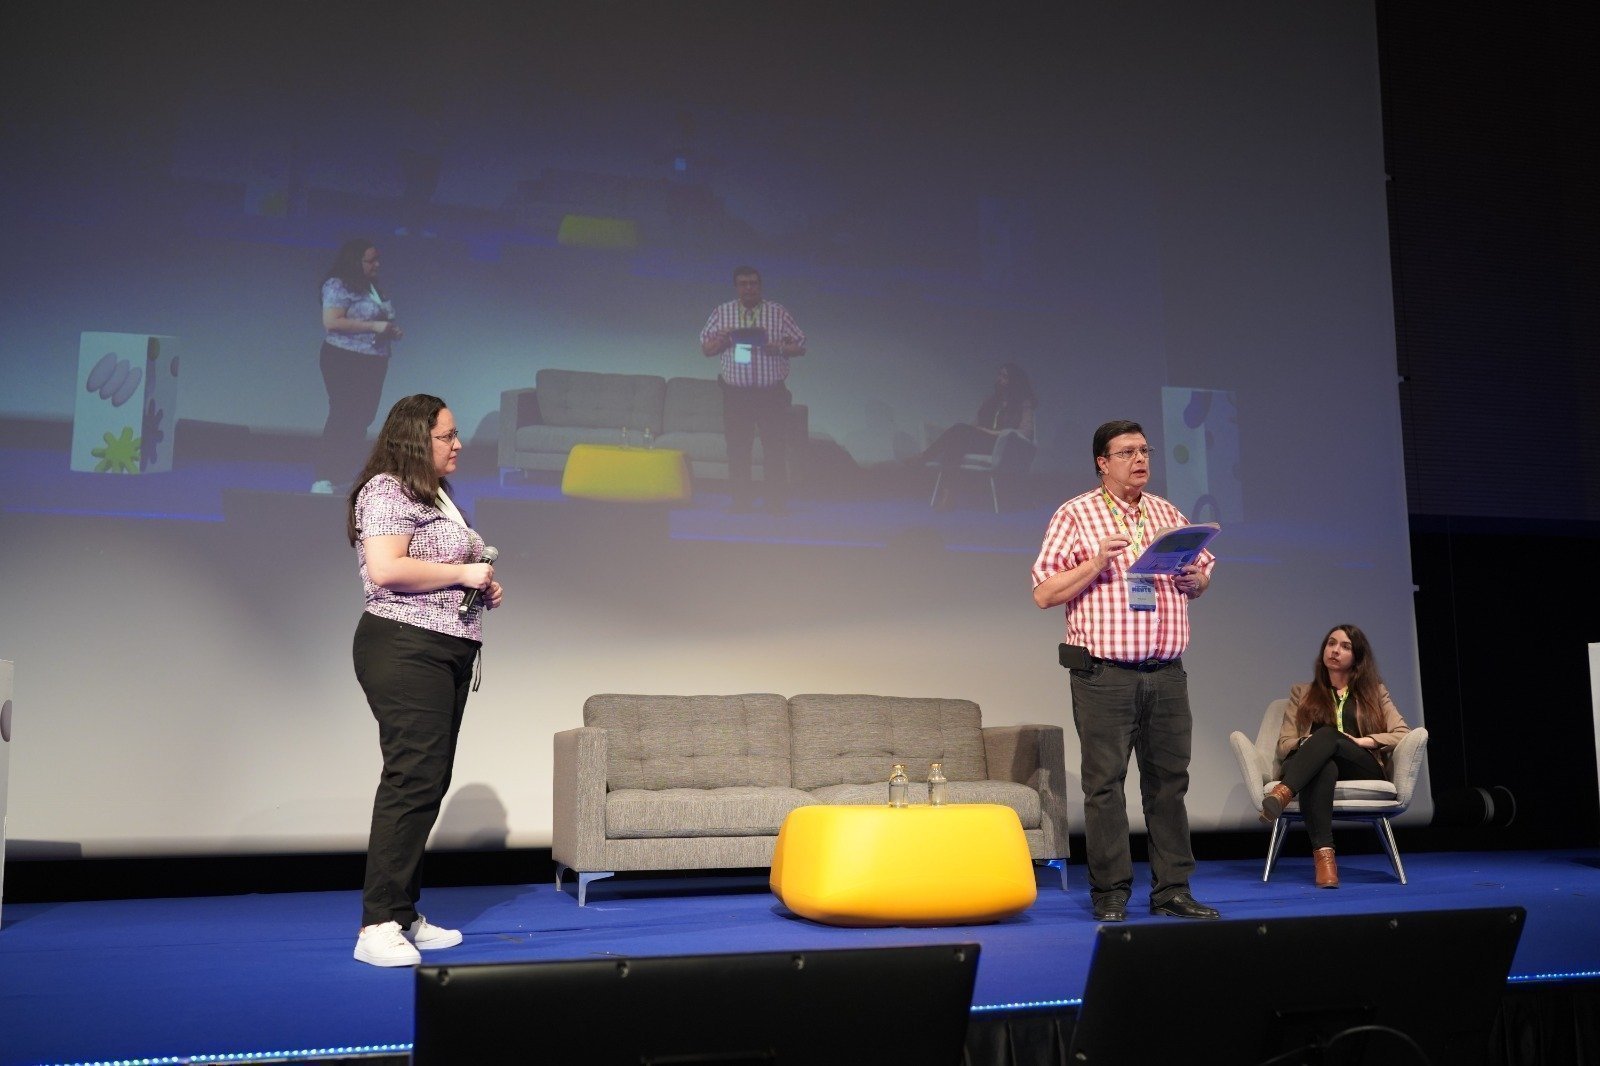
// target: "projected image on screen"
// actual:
[[985, 243]]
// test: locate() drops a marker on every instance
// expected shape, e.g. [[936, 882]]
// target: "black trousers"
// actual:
[[416, 681], [747, 412], [1312, 769], [355, 384], [1120, 712]]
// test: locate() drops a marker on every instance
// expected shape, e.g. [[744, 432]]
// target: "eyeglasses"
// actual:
[[448, 438], [1128, 453]]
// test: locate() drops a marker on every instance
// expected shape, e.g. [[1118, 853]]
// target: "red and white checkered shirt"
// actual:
[[766, 367], [1099, 618]]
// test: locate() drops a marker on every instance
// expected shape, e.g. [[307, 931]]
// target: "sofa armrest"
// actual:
[[578, 808], [1033, 755], [518, 408]]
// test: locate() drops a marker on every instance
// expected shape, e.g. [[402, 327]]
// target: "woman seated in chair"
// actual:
[[1342, 726], [1009, 406]]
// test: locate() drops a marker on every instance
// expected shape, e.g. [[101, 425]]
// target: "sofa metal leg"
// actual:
[[1059, 865], [585, 879]]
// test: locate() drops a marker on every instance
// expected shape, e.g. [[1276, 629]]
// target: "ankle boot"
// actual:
[[1327, 868], [1273, 803]]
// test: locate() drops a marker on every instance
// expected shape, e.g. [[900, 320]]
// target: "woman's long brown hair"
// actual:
[[405, 449]]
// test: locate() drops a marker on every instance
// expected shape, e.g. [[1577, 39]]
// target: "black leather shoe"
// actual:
[[1112, 908], [1183, 905]]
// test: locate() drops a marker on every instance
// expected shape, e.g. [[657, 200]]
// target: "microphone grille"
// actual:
[[490, 554]]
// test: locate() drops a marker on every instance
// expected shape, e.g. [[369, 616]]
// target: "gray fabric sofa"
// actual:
[[704, 782], [539, 426]]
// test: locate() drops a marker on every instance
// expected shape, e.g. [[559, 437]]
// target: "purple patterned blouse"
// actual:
[[384, 509], [358, 307]]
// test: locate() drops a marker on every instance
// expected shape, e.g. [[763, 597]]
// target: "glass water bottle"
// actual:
[[899, 786]]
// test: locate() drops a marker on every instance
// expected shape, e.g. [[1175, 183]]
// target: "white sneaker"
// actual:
[[430, 937], [382, 945], [323, 487]]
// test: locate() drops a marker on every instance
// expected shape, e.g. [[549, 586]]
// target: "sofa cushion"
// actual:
[[1020, 798], [692, 405], [849, 739], [584, 398], [744, 810], [656, 742]]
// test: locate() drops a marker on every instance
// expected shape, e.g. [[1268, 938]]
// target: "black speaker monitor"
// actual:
[[897, 1004], [1412, 987]]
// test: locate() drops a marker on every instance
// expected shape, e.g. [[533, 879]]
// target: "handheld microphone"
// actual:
[[469, 599]]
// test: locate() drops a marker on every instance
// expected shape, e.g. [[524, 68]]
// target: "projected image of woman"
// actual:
[[359, 328], [1342, 725], [1009, 406], [414, 654]]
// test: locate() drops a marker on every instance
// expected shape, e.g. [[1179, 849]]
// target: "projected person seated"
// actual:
[[1009, 406], [1126, 634], [1341, 726], [753, 340]]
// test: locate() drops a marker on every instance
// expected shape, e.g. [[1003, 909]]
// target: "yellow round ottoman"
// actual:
[[618, 472], [958, 864]]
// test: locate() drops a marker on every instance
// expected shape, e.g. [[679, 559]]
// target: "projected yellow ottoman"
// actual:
[[618, 472], [959, 864]]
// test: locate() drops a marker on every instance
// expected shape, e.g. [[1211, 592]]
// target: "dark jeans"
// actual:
[[956, 443], [1119, 712], [355, 383], [416, 682], [1312, 769], [745, 413]]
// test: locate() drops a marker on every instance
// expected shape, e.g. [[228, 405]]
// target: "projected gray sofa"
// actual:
[[704, 782], [539, 426]]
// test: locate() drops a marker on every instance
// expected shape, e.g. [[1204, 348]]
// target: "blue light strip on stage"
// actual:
[[1037, 1004], [250, 1056], [1571, 975]]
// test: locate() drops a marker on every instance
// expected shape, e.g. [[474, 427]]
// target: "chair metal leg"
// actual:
[[934, 499], [1279, 829], [1386, 834], [994, 494]]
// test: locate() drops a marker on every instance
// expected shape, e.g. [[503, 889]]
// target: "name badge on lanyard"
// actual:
[[1141, 587]]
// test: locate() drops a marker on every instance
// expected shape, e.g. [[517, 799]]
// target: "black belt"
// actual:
[[1144, 666]]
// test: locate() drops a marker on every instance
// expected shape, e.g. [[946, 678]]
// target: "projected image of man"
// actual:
[[753, 339], [1126, 634]]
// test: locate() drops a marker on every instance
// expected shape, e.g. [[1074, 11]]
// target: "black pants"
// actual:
[[1120, 712], [355, 384], [956, 443], [416, 681], [745, 413], [1312, 769]]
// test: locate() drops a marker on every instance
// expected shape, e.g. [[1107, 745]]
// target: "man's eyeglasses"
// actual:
[[448, 438], [1128, 453]]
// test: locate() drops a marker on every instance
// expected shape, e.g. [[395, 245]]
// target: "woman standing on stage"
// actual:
[[359, 328], [414, 656], [1342, 726]]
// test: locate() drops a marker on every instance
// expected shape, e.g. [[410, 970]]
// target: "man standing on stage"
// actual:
[[754, 339], [1125, 636]]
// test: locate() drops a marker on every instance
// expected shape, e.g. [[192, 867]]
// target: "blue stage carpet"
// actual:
[[266, 976]]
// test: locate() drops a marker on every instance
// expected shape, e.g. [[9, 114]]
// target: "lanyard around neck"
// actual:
[[1116, 513]]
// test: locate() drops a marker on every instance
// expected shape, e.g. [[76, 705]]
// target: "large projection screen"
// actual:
[[1173, 213]]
